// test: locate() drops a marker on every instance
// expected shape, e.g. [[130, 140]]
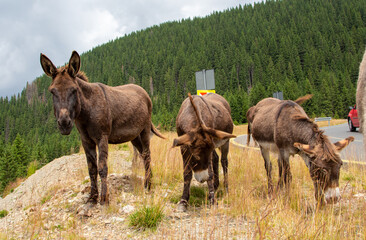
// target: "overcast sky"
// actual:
[[55, 28]]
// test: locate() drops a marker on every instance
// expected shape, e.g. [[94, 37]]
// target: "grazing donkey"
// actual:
[[102, 115], [203, 124], [284, 127]]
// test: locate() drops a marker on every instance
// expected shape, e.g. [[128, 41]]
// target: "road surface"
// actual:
[[353, 152]]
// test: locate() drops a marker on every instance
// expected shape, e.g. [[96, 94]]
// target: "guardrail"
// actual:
[[320, 119]]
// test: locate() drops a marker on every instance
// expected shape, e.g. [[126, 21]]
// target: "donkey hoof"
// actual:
[[92, 200], [182, 206], [104, 200], [147, 187]]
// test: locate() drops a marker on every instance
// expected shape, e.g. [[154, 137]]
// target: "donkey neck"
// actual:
[[86, 88], [86, 95], [306, 134]]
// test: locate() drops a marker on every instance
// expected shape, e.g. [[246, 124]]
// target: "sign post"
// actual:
[[205, 82]]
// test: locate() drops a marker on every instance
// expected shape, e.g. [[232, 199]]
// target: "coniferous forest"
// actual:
[[294, 46]]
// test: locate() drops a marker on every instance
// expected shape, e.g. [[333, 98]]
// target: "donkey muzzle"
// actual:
[[332, 195], [64, 122]]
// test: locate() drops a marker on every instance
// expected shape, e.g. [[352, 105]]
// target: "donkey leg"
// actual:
[[215, 166], [103, 168], [268, 166], [284, 169], [142, 143], [91, 158], [224, 164], [210, 182], [187, 175], [287, 170]]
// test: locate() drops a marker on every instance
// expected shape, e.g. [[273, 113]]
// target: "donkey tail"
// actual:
[[156, 132], [303, 99], [248, 135]]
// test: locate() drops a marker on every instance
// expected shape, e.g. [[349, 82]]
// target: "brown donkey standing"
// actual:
[[102, 115], [283, 127]]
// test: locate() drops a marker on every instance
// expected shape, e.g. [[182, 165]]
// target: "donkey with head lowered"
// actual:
[[203, 124], [102, 115], [283, 127]]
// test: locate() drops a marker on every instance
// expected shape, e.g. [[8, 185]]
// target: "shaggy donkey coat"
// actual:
[[283, 127]]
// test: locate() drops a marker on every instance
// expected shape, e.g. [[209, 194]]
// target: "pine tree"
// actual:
[[19, 155]]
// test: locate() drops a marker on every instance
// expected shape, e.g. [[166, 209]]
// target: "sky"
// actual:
[[56, 28]]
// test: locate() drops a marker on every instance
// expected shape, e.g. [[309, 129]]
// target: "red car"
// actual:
[[352, 118]]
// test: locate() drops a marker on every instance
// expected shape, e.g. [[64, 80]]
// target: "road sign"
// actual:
[[204, 92], [278, 95], [205, 80]]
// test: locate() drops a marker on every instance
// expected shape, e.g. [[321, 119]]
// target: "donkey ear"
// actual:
[[74, 64], [343, 143], [309, 150], [185, 139], [219, 134], [47, 66]]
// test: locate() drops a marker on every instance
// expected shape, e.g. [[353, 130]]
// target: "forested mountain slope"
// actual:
[[294, 46]]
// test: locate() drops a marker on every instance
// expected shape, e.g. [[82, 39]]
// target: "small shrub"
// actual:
[[3, 213], [146, 217]]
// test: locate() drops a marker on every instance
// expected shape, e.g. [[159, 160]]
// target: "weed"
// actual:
[[146, 217]]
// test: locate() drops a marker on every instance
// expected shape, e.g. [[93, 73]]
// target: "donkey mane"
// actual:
[[80, 74], [320, 137]]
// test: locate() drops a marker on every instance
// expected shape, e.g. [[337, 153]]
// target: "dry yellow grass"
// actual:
[[289, 215]]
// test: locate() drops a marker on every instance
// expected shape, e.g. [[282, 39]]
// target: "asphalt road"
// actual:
[[354, 151]]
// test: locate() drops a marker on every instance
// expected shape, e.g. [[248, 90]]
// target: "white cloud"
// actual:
[[58, 27]]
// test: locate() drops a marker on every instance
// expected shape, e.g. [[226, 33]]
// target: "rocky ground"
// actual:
[[50, 204]]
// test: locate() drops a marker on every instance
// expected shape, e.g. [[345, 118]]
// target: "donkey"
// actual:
[[283, 127], [102, 115], [203, 124], [361, 99]]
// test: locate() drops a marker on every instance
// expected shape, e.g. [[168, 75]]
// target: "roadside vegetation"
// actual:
[[290, 214]]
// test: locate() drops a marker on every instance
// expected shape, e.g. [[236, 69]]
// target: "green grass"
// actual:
[[197, 197], [3, 213], [146, 217]]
